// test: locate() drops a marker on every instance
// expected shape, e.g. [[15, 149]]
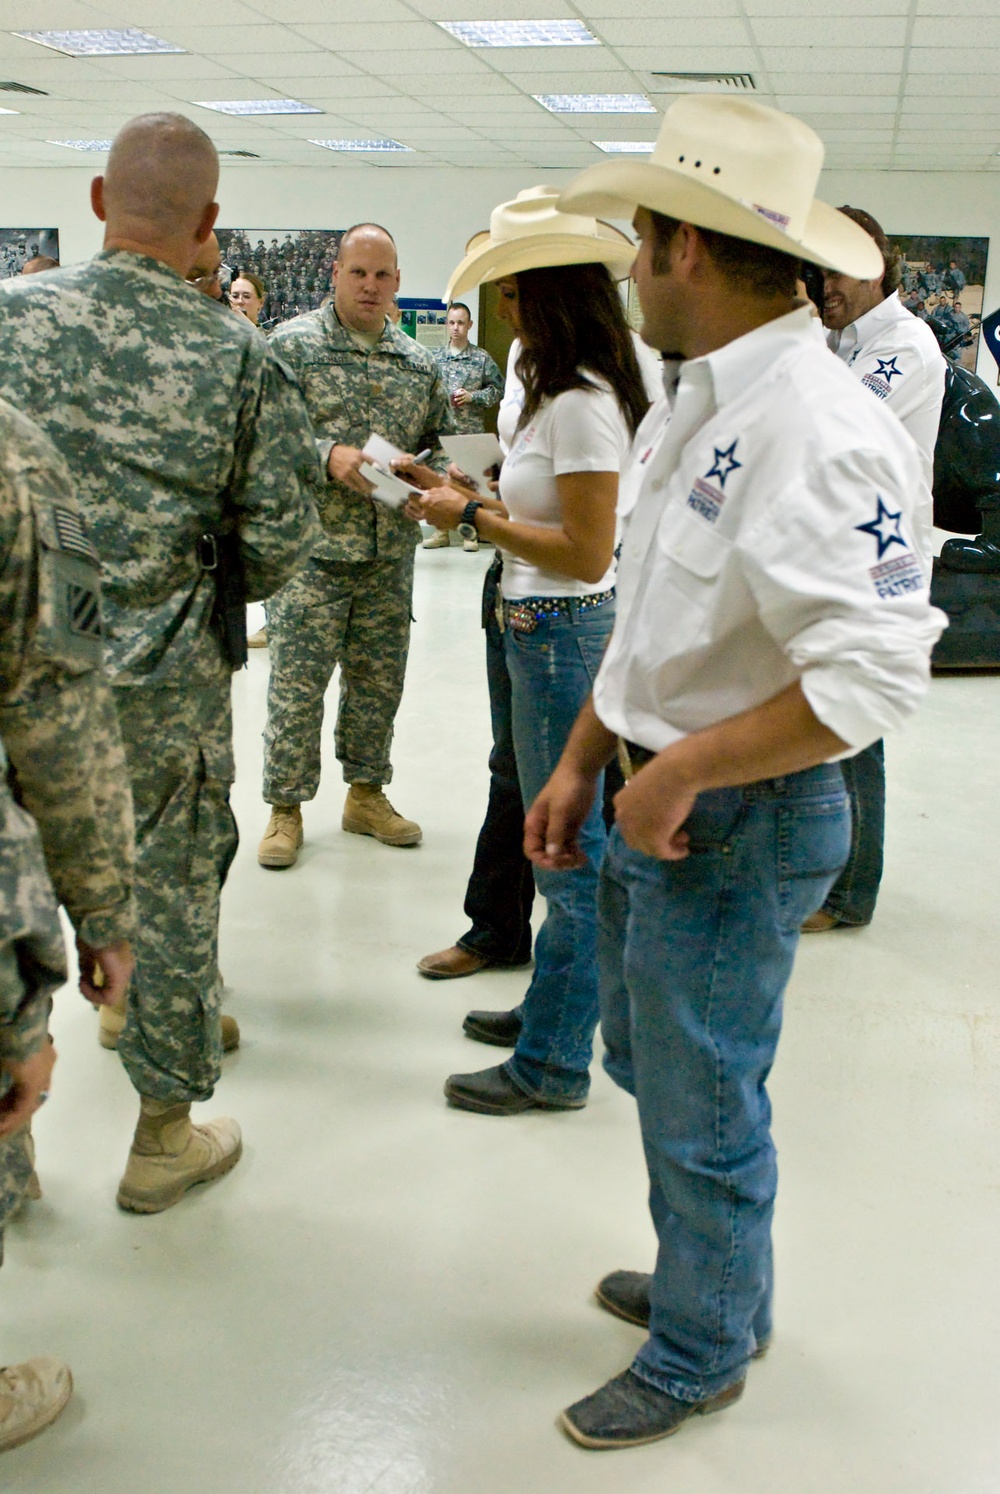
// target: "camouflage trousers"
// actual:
[[178, 744], [356, 615], [32, 967]]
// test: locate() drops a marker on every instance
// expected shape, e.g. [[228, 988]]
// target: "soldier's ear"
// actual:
[[97, 198]]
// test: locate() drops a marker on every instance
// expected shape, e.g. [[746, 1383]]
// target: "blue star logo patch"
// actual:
[[885, 528], [717, 468], [887, 370]]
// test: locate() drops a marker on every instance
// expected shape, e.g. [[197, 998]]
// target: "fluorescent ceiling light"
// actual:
[[82, 144], [595, 103], [625, 147], [363, 145], [10, 111], [257, 106], [521, 33], [99, 43]]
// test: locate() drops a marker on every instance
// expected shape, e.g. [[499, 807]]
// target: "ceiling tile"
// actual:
[[234, 41], [690, 59], [857, 85], [832, 103], [972, 84], [489, 10], [154, 15], [696, 31], [566, 62], [319, 12], [361, 35], [818, 7], [941, 31], [947, 60], [660, 10], [835, 31], [421, 64], [834, 59]]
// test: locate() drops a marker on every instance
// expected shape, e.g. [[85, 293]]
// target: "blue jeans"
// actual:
[[552, 671], [501, 889], [853, 896], [694, 959]]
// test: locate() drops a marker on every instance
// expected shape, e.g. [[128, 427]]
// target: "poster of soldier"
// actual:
[[943, 280], [296, 266], [18, 245]]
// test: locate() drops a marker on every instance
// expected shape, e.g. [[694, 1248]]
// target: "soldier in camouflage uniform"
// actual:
[[177, 424], [351, 605], [474, 385], [58, 725]]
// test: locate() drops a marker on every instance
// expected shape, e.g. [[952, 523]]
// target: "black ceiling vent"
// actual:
[[244, 155], [701, 82], [21, 88]]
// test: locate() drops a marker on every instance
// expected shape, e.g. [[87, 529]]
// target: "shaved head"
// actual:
[[160, 180], [373, 232]]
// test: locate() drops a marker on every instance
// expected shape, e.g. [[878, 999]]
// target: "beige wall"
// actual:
[[433, 212]]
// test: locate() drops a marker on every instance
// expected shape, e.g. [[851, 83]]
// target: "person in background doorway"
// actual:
[[474, 384]]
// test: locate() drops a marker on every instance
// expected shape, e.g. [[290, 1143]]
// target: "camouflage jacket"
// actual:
[[395, 390], [175, 422], [57, 719], [474, 370], [32, 953]]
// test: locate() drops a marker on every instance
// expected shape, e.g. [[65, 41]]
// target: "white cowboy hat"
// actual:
[[740, 168], [531, 234]]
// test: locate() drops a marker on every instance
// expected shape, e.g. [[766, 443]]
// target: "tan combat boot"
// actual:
[[169, 1155], [112, 1024], [368, 812], [439, 540], [31, 1396], [282, 838]]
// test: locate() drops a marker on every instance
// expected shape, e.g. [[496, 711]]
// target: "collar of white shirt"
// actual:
[[857, 333], [728, 371]]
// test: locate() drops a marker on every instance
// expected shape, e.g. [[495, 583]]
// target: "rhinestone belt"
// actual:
[[526, 613]]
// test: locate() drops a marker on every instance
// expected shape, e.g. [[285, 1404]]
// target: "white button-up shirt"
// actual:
[[897, 358], [769, 539]]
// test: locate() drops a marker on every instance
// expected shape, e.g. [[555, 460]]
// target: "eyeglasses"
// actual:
[[202, 280]]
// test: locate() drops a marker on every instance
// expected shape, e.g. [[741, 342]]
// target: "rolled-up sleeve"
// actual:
[[842, 590]]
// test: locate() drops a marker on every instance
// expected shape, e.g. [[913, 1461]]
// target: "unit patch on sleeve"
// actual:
[[705, 497]]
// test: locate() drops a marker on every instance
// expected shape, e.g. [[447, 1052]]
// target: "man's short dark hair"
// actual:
[[460, 306], [749, 267], [893, 276], [357, 228]]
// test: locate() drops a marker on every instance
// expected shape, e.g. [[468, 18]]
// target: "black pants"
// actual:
[[501, 888]]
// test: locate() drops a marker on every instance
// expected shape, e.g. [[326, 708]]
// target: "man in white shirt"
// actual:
[[773, 616], [897, 358]]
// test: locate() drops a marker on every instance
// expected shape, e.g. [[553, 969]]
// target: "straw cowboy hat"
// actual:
[[531, 234], [737, 167]]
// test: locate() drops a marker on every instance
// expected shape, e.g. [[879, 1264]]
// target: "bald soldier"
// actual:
[[181, 429], [351, 605]]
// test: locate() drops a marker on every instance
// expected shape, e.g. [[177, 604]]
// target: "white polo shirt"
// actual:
[[770, 540], [897, 358]]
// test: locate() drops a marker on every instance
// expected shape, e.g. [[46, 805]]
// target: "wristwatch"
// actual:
[[467, 524]]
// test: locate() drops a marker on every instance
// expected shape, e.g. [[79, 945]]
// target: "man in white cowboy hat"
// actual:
[[772, 617], [897, 359]]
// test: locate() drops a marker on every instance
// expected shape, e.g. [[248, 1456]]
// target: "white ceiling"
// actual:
[[904, 84]]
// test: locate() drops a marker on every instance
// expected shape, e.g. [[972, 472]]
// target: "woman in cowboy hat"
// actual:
[[555, 522]]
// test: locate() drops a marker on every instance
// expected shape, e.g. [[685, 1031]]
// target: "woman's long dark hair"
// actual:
[[572, 324]]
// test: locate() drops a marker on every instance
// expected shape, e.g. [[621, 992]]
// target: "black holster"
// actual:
[[220, 554]]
